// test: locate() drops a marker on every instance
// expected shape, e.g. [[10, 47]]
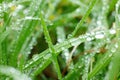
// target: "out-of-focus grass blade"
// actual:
[[76, 72], [4, 35], [12, 72], [114, 66], [28, 28]]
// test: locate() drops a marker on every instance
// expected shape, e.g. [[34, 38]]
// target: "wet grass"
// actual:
[[59, 39]]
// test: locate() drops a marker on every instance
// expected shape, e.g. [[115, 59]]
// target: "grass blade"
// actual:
[[12, 72], [52, 50], [83, 19]]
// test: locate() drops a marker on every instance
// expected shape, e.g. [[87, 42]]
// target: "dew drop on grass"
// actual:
[[112, 31], [79, 66], [92, 33], [31, 18], [110, 55], [89, 36], [35, 57], [25, 11], [74, 41], [66, 54], [78, 10], [108, 40], [28, 17], [16, 28], [116, 45], [47, 56], [28, 64], [63, 48], [59, 40], [89, 39], [113, 49], [99, 36], [99, 23], [51, 24]]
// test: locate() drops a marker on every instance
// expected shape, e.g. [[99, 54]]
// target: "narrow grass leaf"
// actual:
[[52, 50], [83, 19]]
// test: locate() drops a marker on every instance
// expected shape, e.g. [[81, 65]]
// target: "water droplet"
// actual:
[[66, 54], [63, 48], [78, 10], [74, 41], [28, 64], [60, 40], [110, 55], [47, 56], [108, 40], [51, 24], [116, 45], [99, 22], [92, 33], [99, 36], [26, 11], [89, 38], [42, 12], [98, 51], [113, 49], [112, 31], [16, 28], [35, 57], [79, 66], [31, 18]]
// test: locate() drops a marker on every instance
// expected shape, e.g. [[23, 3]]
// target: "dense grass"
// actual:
[[59, 39]]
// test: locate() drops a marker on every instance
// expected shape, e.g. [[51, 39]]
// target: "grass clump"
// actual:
[[59, 39]]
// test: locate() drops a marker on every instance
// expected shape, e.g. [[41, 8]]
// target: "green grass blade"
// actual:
[[52, 50], [28, 28], [114, 67], [4, 35], [83, 19], [103, 62], [76, 72], [112, 5], [61, 38]]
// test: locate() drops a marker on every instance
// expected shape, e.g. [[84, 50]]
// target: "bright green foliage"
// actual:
[[59, 39]]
